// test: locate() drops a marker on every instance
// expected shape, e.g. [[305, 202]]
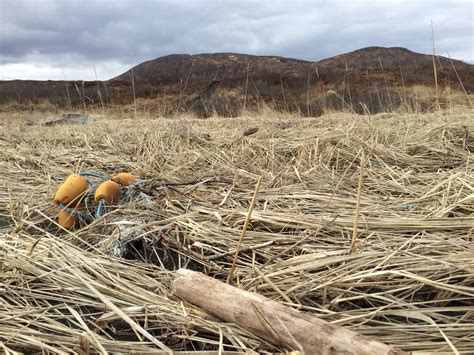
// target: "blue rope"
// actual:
[[84, 215], [92, 185], [140, 182], [406, 207], [96, 175], [144, 196], [100, 208], [132, 192]]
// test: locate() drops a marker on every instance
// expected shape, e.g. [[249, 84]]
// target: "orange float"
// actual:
[[66, 219], [124, 179], [72, 190], [109, 191]]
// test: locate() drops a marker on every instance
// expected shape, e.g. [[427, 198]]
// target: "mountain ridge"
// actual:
[[368, 79], [376, 54]]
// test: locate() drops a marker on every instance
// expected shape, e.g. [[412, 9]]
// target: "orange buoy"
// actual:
[[72, 189], [66, 219], [124, 178], [109, 191]]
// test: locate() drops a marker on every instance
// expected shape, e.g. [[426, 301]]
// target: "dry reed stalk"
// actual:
[[460, 81], [357, 211], [435, 69], [244, 229]]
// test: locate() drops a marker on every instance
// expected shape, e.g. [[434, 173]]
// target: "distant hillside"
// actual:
[[370, 79], [235, 67], [374, 57], [214, 66]]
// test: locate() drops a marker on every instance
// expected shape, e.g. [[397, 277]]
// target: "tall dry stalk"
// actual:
[[405, 100], [357, 211], [81, 96], [346, 80], [182, 90], [387, 88], [67, 91], [132, 79], [435, 71], [99, 94], [244, 229], [460, 81], [246, 86], [283, 93]]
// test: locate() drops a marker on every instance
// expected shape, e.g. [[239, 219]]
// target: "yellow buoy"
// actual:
[[66, 219], [109, 191], [72, 189], [124, 178]]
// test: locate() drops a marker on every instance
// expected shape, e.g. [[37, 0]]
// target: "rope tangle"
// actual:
[[86, 195]]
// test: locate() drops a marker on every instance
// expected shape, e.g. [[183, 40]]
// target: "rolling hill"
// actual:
[[370, 79]]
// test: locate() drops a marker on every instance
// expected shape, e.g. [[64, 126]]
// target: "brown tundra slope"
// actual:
[[371, 79]]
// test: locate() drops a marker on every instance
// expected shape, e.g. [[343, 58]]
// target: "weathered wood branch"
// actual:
[[282, 326]]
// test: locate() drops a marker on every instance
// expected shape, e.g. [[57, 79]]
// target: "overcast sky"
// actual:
[[57, 39]]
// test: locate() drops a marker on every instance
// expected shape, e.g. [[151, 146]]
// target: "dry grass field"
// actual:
[[398, 188]]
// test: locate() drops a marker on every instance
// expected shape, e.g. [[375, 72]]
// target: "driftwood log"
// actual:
[[280, 325]]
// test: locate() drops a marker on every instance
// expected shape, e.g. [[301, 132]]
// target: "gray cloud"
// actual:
[[43, 38]]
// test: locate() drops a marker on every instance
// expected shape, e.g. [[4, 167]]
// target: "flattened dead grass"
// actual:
[[409, 282]]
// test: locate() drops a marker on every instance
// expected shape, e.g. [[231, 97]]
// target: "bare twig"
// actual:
[[244, 229]]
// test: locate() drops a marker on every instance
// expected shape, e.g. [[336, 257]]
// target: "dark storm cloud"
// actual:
[[71, 34]]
